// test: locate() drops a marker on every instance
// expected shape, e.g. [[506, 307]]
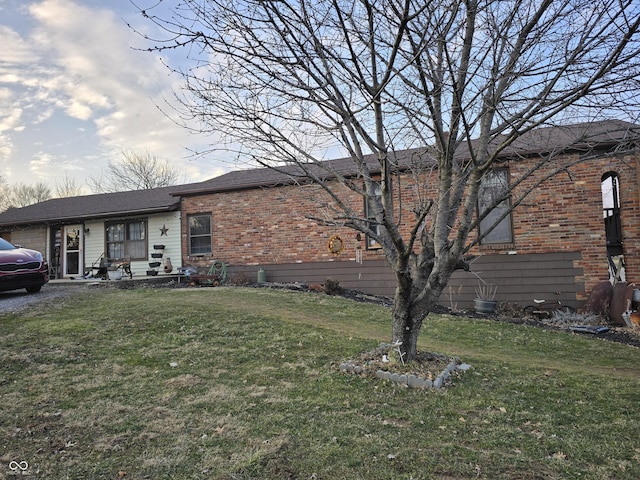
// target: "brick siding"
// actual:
[[269, 226]]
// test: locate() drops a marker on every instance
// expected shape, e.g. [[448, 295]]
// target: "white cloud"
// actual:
[[74, 82], [9, 119], [19, 53], [6, 147], [107, 81], [41, 164]]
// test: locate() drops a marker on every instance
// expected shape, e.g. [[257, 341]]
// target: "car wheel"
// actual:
[[34, 289]]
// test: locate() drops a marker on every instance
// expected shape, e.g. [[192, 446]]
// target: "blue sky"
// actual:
[[74, 93]]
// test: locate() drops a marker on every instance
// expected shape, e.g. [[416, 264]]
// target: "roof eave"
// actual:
[[96, 216]]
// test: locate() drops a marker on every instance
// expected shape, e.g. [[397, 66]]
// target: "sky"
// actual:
[[75, 92]]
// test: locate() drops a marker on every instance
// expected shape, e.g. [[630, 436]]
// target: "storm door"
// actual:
[[613, 225], [72, 255]]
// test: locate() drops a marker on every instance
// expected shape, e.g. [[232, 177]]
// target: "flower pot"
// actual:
[[152, 273], [154, 264], [485, 306], [158, 247], [114, 274], [156, 255]]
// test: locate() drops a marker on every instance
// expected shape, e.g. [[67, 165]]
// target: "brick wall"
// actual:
[[268, 226], [565, 215]]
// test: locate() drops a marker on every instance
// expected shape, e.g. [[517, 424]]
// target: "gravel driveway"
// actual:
[[18, 300]]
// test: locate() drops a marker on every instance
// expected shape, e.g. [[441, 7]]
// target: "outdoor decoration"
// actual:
[[485, 301], [164, 230], [156, 256], [336, 245], [359, 255]]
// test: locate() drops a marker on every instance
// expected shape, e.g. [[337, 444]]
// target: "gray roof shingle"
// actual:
[[105, 205], [577, 137]]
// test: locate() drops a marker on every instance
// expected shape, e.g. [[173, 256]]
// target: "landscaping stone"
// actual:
[[428, 365]]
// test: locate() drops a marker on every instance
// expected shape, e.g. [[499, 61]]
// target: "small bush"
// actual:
[[332, 287]]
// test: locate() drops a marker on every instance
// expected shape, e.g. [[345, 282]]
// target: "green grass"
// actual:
[[233, 383]]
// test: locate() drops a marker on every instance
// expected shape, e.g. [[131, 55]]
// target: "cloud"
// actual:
[[19, 53], [9, 120], [40, 164], [72, 69]]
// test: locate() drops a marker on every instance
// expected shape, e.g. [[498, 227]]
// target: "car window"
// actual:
[[4, 245]]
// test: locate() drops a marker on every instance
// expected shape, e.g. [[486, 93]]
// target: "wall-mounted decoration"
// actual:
[[336, 245]]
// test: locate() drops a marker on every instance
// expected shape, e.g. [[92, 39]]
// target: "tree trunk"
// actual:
[[408, 316], [416, 296], [406, 330]]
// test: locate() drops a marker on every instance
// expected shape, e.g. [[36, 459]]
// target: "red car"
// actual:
[[21, 268]]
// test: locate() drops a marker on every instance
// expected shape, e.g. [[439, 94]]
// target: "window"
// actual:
[[610, 186], [374, 227], [199, 234], [494, 185], [127, 239]]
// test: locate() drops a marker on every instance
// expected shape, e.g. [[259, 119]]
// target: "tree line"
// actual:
[[133, 171]]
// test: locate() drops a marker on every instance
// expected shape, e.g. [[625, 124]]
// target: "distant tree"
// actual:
[[21, 195], [67, 187], [135, 171], [3, 186]]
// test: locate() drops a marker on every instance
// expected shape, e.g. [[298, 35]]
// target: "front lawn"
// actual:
[[240, 383]]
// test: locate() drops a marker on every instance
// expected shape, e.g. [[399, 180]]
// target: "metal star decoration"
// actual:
[[164, 230]]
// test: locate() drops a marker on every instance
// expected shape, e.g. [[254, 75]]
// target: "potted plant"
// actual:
[[485, 301], [114, 272]]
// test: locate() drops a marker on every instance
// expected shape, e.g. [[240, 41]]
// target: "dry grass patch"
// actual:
[[242, 384]]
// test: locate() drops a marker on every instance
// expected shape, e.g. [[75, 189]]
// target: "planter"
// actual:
[[152, 273], [114, 274], [154, 264], [485, 306], [156, 255], [158, 247]]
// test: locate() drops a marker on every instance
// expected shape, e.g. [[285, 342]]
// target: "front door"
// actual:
[[72, 255]]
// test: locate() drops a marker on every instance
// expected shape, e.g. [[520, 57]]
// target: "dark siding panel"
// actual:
[[372, 277], [519, 278]]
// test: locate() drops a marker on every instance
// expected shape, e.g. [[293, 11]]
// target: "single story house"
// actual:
[[571, 232], [83, 235]]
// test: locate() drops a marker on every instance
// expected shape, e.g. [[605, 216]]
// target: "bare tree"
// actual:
[[67, 187], [283, 79], [135, 171], [22, 195]]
